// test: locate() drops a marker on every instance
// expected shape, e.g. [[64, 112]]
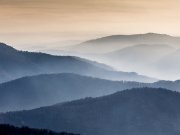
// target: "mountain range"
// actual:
[[42, 90], [116, 42], [150, 54], [138, 56], [16, 64], [145, 111], [77, 94]]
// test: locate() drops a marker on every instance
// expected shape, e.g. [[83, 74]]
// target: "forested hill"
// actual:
[[11, 130]]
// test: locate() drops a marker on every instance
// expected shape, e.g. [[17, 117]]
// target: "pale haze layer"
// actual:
[[28, 24]]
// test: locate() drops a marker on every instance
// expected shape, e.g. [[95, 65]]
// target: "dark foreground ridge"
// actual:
[[141, 111], [11, 130]]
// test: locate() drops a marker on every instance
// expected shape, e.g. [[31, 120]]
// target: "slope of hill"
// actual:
[[141, 54], [171, 64], [15, 64], [145, 111], [138, 57], [122, 52], [42, 90], [172, 85], [11, 130], [116, 42]]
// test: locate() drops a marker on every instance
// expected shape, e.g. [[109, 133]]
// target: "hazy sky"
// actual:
[[27, 23]]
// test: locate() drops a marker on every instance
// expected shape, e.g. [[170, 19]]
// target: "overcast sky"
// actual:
[[27, 23]]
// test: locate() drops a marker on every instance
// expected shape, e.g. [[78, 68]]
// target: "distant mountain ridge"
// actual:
[[116, 42], [144, 111], [138, 57], [15, 64], [126, 53], [141, 52]]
